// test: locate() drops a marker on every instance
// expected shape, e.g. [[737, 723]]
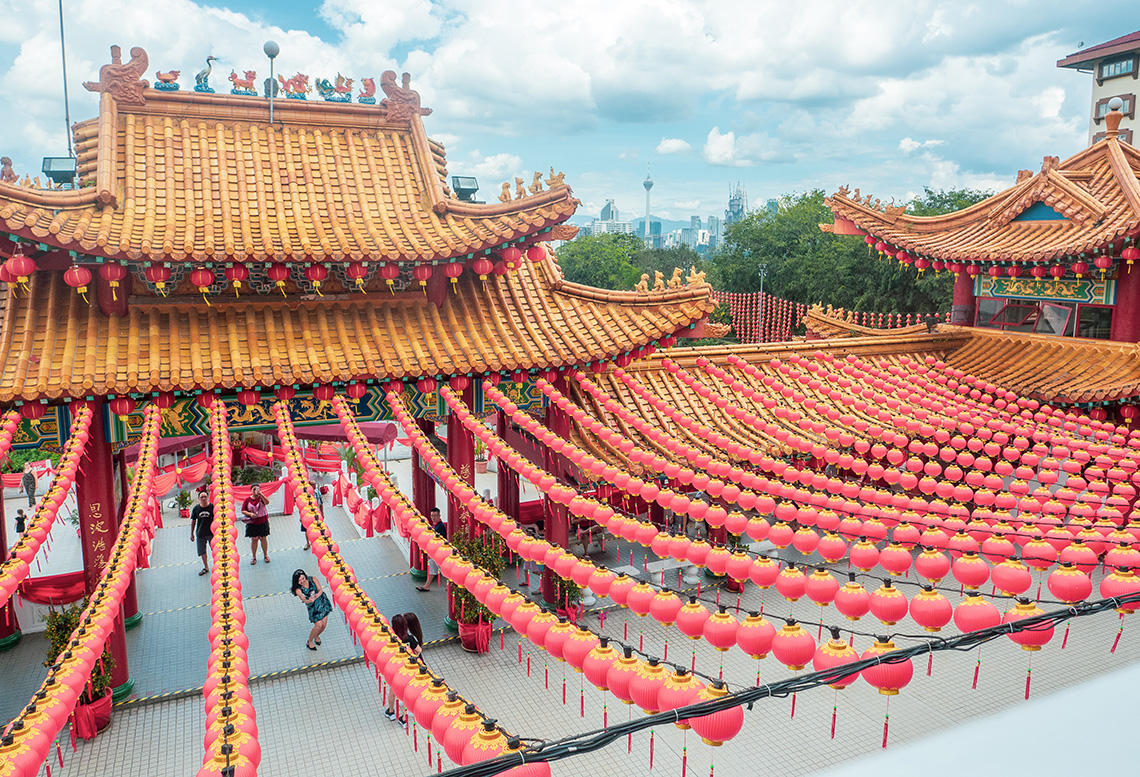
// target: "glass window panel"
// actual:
[[1094, 322]]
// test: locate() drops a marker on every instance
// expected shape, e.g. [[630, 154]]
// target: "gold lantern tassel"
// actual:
[[83, 293], [114, 295], [161, 286], [237, 289], [281, 286], [360, 285], [203, 290], [317, 288]]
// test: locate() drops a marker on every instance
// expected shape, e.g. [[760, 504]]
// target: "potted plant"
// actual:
[[473, 618], [569, 596], [480, 457], [92, 711], [183, 500]]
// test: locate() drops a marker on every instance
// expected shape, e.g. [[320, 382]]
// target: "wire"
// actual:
[[595, 740]]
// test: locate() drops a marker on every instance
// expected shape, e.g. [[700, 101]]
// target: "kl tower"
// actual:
[[648, 184]]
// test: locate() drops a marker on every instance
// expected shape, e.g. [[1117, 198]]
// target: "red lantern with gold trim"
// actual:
[[834, 653], [158, 274], [1130, 255], [718, 728], [453, 271], [203, 278], [889, 678], [122, 407], [19, 266], [536, 253], [78, 278], [422, 273], [390, 271], [483, 267], [249, 397], [355, 391], [1033, 637], [792, 646], [357, 272], [113, 273], [237, 273], [1080, 268], [315, 274], [324, 393], [278, 273]]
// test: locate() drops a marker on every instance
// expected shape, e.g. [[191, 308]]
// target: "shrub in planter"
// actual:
[[93, 708], [474, 619]]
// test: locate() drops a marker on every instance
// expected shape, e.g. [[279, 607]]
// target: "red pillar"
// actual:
[[9, 626], [962, 307], [423, 497], [461, 457], [557, 517], [97, 530], [1126, 314], [508, 480]]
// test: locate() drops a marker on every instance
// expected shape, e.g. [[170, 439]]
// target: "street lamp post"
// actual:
[[271, 50]]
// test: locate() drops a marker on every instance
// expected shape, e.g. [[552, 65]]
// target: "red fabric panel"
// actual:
[[257, 457], [53, 589]]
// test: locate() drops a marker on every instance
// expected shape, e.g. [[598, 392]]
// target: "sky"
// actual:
[[780, 97]]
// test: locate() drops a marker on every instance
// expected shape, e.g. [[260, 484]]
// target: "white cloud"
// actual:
[[907, 145], [720, 149], [673, 146], [493, 168], [687, 204]]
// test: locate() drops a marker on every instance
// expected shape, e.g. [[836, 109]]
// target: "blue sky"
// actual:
[[782, 97]]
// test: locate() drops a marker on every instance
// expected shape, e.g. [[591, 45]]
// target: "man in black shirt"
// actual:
[[201, 520], [440, 528]]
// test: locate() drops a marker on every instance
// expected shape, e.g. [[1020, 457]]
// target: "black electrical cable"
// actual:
[[595, 740]]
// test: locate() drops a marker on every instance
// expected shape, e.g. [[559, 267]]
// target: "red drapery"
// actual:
[[53, 590]]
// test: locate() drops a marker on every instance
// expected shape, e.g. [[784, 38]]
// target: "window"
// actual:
[[1065, 319], [1095, 322], [1128, 109], [1125, 135], [1121, 66]]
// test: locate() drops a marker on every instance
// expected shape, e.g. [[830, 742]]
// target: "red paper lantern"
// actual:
[[390, 271], [324, 393], [113, 273], [453, 271], [579, 645], [355, 391], [357, 272], [931, 610], [598, 662], [754, 636], [122, 407], [158, 274], [511, 256], [1034, 637], [1080, 268], [792, 646], [888, 604], [19, 266], [1069, 584], [791, 582], [33, 411], [1011, 577], [691, 618], [975, 612], [1121, 582], [646, 684], [620, 675], [278, 273], [536, 253], [852, 600], [422, 273], [970, 570], [889, 678], [487, 743], [249, 397], [718, 728], [678, 689], [235, 274], [835, 653], [78, 278], [720, 630]]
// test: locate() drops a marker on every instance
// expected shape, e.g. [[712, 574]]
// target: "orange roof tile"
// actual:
[[1097, 191], [182, 176], [53, 344]]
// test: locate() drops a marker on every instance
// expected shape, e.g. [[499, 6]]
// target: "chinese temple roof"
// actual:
[[54, 344], [177, 176], [1083, 204]]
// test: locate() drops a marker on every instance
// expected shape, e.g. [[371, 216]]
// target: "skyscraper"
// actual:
[[648, 184], [609, 211], [737, 205]]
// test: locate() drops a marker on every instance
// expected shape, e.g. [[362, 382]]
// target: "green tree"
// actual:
[[935, 202], [806, 265], [603, 261]]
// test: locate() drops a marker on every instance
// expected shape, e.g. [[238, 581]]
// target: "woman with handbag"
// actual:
[[308, 590], [255, 513]]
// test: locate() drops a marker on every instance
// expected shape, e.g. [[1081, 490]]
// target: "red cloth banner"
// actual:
[[53, 590]]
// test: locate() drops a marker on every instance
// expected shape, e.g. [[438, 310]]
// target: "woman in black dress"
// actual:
[[413, 638]]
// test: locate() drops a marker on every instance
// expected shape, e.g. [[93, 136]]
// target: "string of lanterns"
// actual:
[[28, 738], [203, 277], [231, 743], [406, 678], [630, 679], [17, 564]]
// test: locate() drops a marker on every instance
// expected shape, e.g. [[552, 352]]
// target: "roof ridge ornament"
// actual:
[[123, 82], [402, 102], [1113, 117]]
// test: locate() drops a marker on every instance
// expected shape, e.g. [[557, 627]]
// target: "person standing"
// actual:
[[21, 522], [28, 483], [440, 528], [308, 590], [413, 642], [255, 513], [201, 527]]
